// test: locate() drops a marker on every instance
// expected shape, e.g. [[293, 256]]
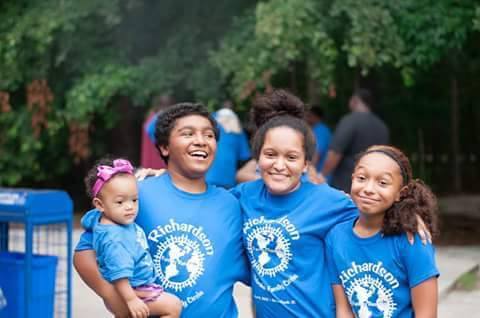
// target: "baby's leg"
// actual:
[[166, 306]]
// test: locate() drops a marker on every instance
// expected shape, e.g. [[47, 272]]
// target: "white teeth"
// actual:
[[199, 153]]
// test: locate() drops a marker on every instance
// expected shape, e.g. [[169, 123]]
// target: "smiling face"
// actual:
[[118, 200], [376, 183], [191, 146], [282, 159]]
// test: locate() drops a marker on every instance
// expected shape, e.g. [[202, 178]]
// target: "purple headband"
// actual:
[[105, 173]]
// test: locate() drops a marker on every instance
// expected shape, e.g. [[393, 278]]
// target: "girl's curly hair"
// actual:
[[416, 198]]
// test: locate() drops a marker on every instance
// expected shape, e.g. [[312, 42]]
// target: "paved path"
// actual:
[[452, 262], [458, 304]]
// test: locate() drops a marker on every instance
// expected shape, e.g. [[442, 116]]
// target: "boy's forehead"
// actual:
[[194, 121]]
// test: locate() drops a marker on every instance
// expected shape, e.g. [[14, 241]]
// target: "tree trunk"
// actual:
[[455, 123], [125, 137], [313, 91]]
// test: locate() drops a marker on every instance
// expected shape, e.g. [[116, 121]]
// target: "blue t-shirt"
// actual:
[[284, 237], [378, 272], [232, 148], [121, 250], [323, 135], [196, 244]]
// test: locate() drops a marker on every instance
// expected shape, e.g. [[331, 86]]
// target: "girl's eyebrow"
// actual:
[[387, 173], [383, 172]]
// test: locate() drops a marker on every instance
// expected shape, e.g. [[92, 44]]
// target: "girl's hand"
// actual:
[[138, 309], [422, 231], [143, 173]]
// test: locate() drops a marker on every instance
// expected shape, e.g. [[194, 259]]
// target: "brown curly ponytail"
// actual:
[[416, 198]]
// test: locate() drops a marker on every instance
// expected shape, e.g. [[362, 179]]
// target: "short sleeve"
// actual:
[[331, 266], [85, 242], [236, 191], [341, 209], [419, 260], [343, 135], [118, 263]]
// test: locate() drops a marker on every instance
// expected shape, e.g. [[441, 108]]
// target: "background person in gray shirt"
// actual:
[[355, 132]]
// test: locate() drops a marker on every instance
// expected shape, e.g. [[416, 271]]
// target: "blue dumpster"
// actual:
[[35, 253]]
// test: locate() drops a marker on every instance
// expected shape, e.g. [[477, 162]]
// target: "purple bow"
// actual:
[[105, 173]]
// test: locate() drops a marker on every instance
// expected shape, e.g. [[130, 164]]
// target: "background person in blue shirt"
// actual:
[[375, 272], [193, 229], [233, 148], [120, 245], [323, 134]]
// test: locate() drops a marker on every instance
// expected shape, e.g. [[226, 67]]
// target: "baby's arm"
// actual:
[[138, 309], [86, 265]]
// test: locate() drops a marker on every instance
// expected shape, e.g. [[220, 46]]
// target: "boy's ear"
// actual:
[[98, 204], [164, 150]]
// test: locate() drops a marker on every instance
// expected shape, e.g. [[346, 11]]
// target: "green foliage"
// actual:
[[476, 19], [57, 41], [91, 52], [372, 37], [431, 30], [406, 35], [25, 156], [469, 280], [92, 94], [269, 42]]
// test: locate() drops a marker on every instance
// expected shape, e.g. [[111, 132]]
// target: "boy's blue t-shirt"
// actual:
[[378, 273], [121, 250], [284, 238], [196, 245]]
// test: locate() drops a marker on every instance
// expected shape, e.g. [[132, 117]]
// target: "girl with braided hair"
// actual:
[[374, 271]]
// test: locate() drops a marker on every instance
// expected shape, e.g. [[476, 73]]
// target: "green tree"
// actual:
[[84, 56]]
